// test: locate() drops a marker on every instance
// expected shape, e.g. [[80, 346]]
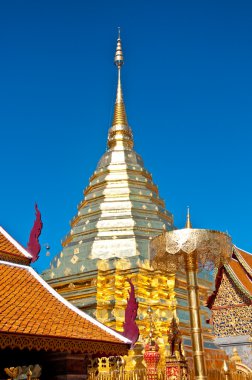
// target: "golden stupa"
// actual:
[[109, 242]]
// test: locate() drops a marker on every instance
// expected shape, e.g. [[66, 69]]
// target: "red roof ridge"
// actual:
[[66, 303]]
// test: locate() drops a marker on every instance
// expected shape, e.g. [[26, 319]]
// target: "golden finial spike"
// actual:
[[120, 134], [119, 117], [188, 219]]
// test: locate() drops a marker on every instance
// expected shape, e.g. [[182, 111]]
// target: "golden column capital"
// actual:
[[191, 262]]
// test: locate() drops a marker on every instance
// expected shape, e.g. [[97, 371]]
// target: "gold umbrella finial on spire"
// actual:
[[120, 134], [119, 54], [188, 219], [119, 117]]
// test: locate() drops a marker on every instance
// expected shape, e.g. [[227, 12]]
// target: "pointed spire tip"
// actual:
[[119, 112], [188, 219], [120, 134]]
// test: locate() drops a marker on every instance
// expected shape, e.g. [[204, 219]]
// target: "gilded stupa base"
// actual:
[[103, 293], [134, 360]]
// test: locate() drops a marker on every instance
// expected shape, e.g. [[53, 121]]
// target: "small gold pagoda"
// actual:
[[109, 242]]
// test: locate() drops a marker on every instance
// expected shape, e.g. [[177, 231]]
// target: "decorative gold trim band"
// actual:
[[36, 342]]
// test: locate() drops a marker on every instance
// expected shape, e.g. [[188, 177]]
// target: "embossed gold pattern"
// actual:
[[232, 311], [212, 248], [60, 344]]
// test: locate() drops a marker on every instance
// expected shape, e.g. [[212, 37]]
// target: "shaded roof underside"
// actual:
[[11, 250]]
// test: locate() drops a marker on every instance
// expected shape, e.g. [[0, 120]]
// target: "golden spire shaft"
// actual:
[[120, 135], [119, 117], [188, 219]]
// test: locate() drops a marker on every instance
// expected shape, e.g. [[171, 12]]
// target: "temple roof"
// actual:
[[11, 250], [245, 258], [239, 269], [31, 309]]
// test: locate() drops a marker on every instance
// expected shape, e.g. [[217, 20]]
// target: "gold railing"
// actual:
[[233, 375], [141, 375]]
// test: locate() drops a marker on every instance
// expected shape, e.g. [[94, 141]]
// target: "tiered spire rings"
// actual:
[[120, 135]]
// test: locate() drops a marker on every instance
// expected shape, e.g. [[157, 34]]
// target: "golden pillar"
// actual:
[[191, 249], [194, 311]]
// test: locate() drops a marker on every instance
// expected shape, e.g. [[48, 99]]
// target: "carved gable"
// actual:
[[232, 311]]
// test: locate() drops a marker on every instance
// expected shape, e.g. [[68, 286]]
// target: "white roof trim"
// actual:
[[236, 279], [66, 303], [15, 243], [243, 250]]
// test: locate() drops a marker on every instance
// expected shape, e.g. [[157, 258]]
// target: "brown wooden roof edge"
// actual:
[[121, 339], [23, 257], [56, 344]]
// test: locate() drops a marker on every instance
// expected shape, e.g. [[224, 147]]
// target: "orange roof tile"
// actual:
[[11, 250], [31, 307]]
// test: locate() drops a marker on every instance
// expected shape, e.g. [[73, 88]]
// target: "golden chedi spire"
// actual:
[[121, 209], [120, 135], [188, 219], [119, 110]]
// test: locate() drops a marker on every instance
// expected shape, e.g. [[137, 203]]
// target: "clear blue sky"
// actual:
[[187, 83]]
